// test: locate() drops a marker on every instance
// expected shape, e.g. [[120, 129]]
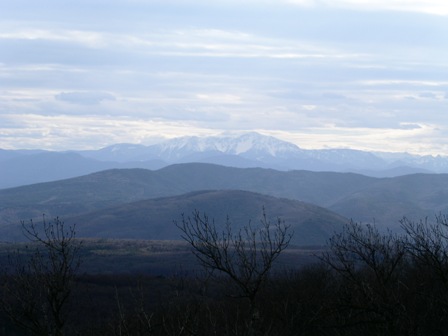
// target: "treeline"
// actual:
[[368, 282]]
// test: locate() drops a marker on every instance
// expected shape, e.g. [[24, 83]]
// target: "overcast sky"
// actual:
[[364, 74]]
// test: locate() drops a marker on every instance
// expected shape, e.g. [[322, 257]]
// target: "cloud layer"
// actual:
[[360, 74]]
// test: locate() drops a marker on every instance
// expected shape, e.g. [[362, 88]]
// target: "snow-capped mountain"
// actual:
[[257, 150], [243, 151], [250, 145]]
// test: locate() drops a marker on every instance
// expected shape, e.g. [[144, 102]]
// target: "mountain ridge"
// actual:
[[249, 150], [354, 196]]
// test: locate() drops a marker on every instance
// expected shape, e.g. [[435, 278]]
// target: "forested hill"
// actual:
[[361, 198], [155, 218]]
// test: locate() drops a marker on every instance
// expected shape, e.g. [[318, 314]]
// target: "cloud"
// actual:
[[404, 83], [435, 7], [333, 96], [93, 47], [84, 98], [381, 139], [409, 126], [193, 67], [429, 95], [35, 33], [64, 132]]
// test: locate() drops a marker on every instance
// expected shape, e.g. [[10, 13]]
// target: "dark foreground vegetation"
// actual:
[[365, 282]]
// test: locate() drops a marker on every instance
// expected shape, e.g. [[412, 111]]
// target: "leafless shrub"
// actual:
[[38, 285]]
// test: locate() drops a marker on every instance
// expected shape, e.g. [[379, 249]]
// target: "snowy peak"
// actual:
[[258, 150], [241, 151], [248, 144], [257, 143]]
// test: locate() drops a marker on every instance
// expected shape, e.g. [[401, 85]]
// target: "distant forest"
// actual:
[[364, 282]]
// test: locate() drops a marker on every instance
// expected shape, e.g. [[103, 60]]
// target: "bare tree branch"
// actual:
[[246, 256], [39, 287]]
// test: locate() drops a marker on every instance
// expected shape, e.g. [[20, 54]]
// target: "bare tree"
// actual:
[[428, 244], [245, 256], [369, 264], [39, 283]]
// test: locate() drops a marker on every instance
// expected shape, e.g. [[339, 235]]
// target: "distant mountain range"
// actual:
[[121, 202], [135, 191], [22, 167]]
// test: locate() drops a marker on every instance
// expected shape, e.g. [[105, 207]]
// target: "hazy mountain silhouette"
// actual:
[[362, 198], [242, 151]]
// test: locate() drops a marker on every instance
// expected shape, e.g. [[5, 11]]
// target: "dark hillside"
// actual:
[[81, 194], [113, 187], [415, 196], [361, 198], [153, 219], [321, 188]]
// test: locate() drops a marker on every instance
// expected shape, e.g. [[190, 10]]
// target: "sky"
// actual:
[[361, 74]]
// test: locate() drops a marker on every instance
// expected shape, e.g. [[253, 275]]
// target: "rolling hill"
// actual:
[[361, 198], [154, 218], [114, 187]]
